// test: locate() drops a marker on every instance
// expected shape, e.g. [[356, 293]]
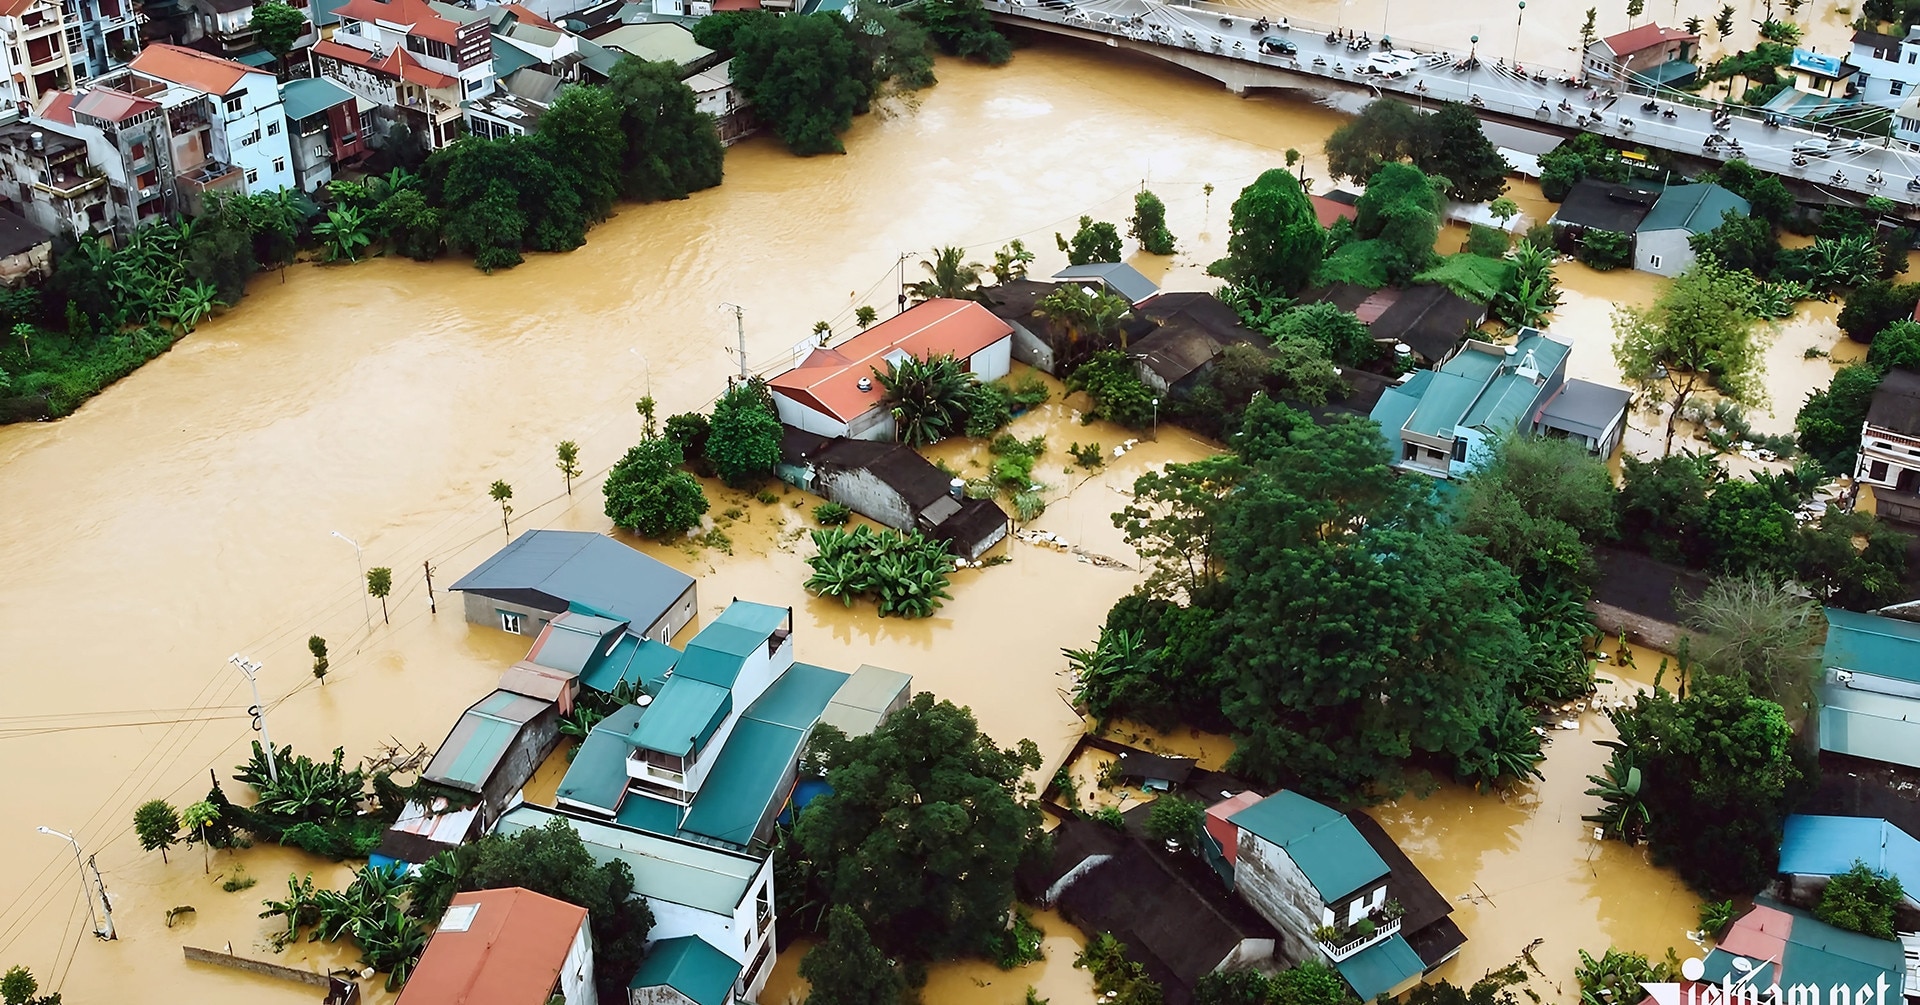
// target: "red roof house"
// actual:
[[505, 947], [190, 68], [1328, 210], [833, 392]]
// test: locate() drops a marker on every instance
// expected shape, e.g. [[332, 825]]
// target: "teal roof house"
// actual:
[[1662, 243], [545, 573], [1814, 849], [1441, 422], [1307, 869], [495, 747], [1870, 692]]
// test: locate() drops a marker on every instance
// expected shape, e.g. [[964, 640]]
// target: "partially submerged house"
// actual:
[[1869, 692], [1311, 872], [685, 970], [1428, 319], [1814, 849], [506, 947], [1662, 243], [1118, 278], [1442, 422], [26, 249], [1190, 331], [494, 748], [1592, 415], [546, 573], [1890, 447], [1641, 598], [1155, 772], [834, 391], [894, 486], [1600, 205], [1822, 83], [1774, 945], [1017, 304]]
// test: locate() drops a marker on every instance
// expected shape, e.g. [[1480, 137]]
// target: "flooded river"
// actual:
[[188, 513]]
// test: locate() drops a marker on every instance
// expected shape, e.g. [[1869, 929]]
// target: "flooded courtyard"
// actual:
[[189, 513]]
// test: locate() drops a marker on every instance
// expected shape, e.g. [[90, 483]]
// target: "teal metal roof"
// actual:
[[1446, 398], [733, 640], [640, 662], [1692, 208], [260, 59], [1325, 845], [572, 641], [761, 619], [1878, 727], [1509, 395], [1870, 644], [683, 717], [1381, 968], [1815, 953], [509, 58], [702, 974], [598, 774], [480, 738], [307, 96], [645, 813], [744, 782], [1666, 73], [865, 699], [798, 697], [668, 869], [709, 665]]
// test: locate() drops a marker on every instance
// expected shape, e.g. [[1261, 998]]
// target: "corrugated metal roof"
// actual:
[[1695, 209], [798, 696], [959, 328], [307, 96], [1381, 968], [1828, 846], [683, 716], [1323, 843], [640, 662], [1870, 644], [598, 774], [700, 973], [480, 737], [679, 872], [577, 567], [1122, 278], [762, 620], [865, 697], [656, 43], [743, 782], [1874, 726], [511, 951]]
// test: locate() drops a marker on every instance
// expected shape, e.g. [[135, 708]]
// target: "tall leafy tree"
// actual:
[[1385, 131], [744, 440], [276, 26], [1148, 225], [582, 128], [500, 492], [1095, 241], [1274, 240], [846, 969], [1760, 637], [157, 824], [964, 28], [949, 275], [672, 148], [1697, 335], [1537, 504], [1342, 337], [1173, 524], [648, 494], [380, 585], [567, 459], [805, 76], [921, 831], [1862, 900], [1401, 211]]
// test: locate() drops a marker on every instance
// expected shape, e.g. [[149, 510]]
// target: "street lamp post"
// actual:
[[1156, 419], [259, 711], [365, 607], [1475, 51], [85, 891], [645, 367], [1517, 22]]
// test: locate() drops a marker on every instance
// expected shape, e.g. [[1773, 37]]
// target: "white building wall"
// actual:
[[993, 362], [256, 134], [1886, 457], [576, 974], [802, 416], [1663, 252], [1888, 81]]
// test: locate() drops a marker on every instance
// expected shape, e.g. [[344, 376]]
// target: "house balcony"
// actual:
[[67, 185], [1354, 943], [658, 769], [212, 177]]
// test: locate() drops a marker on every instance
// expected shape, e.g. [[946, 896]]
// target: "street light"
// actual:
[[365, 607], [106, 933], [1475, 51], [252, 669], [645, 367], [1156, 420], [1516, 32]]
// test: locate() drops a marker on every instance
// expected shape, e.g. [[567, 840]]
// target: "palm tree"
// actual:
[[193, 304], [345, 233], [951, 276], [927, 397]]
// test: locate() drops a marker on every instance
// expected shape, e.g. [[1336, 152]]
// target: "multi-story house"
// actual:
[[37, 50], [1890, 447], [324, 129], [102, 35], [422, 61], [1889, 67], [136, 151], [245, 124], [52, 178], [1647, 56]]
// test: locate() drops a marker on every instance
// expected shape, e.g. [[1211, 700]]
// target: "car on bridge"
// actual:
[[1275, 46], [1814, 146]]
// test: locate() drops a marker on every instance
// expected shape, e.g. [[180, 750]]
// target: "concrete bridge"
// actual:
[[1224, 43]]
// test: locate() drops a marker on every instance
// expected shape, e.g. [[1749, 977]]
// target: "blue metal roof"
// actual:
[[1819, 63], [1870, 644], [1326, 846], [700, 973], [1120, 277], [581, 570], [1829, 846], [1381, 968]]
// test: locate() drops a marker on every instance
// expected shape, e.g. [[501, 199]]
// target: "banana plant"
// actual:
[[299, 908], [193, 305], [1623, 814]]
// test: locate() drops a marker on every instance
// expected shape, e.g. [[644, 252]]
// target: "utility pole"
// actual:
[[366, 606], [740, 330], [106, 931], [900, 278], [84, 891], [426, 565], [258, 710]]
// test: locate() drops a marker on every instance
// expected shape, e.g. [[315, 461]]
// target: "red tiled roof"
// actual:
[[14, 8], [418, 18], [60, 109], [1646, 37], [511, 953], [525, 16], [396, 64], [828, 380], [190, 67], [1324, 209], [720, 5], [114, 106]]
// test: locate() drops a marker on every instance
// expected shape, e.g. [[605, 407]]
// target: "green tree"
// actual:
[[1011, 261], [276, 26], [1401, 210], [1235, 987], [964, 28], [583, 130], [1093, 242], [1747, 526], [157, 824], [18, 987], [1860, 900], [380, 584], [550, 860], [690, 431], [744, 444], [1148, 225], [1767, 197], [500, 492], [1871, 307], [1842, 574], [1457, 149], [865, 316], [1634, 10], [1536, 504], [195, 818], [567, 459], [1897, 347], [1534, 293], [927, 397], [647, 494], [1623, 813], [805, 77], [1605, 250], [1720, 781], [1723, 22], [1763, 639], [1663, 502], [1385, 131], [1173, 522], [502, 197], [1274, 241], [344, 233], [1587, 30], [1343, 338], [1176, 819], [411, 226], [1694, 25], [1309, 983], [1741, 242], [1697, 335], [1088, 317], [846, 969], [318, 647], [949, 276], [1115, 390], [921, 831]]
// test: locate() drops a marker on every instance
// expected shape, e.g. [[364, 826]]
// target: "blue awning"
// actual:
[[1381, 968]]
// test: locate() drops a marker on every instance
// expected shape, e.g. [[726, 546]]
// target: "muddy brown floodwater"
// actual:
[[187, 514]]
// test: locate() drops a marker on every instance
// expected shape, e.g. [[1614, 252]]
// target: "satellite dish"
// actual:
[[644, 700], [1743, 964]]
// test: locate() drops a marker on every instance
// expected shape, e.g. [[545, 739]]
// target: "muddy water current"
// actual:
[[189, 513]]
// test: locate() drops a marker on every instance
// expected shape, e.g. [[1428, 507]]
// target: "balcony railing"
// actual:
[[1355, 945], [209, 177], [67, 186]]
